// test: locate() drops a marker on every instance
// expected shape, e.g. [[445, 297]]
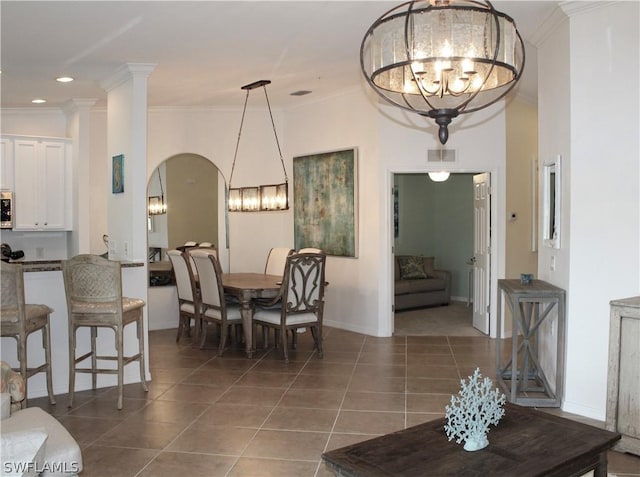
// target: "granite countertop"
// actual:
[[54, 265]]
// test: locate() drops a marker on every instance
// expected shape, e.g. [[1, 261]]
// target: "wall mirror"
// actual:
[[191, 189], [552, 188]]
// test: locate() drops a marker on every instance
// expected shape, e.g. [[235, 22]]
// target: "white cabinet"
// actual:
[[42, 184], [6, 164], [623, 379]]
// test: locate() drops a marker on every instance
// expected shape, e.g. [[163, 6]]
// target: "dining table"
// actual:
[[247, 288]]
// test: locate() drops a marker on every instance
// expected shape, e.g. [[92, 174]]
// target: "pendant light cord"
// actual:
[[161, 191], [286, 179], [235, 155], [273, 124]]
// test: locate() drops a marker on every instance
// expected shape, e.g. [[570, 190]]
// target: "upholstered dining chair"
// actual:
[[189, 306], [276, 260], [93, 286], [18, 320], [214, 307], [309, 250], [300, 302]]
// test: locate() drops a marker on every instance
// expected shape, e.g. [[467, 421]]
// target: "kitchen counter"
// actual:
[[54, 265]]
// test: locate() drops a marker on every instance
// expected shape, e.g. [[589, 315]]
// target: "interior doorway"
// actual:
[[438, 219], [193, 190]]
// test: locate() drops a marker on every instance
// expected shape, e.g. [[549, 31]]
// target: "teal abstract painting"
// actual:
[[325, 205]]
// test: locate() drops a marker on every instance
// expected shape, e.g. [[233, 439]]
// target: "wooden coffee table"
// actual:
[[526, 442]]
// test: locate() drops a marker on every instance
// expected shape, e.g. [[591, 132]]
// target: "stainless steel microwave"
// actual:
[[6, 210]]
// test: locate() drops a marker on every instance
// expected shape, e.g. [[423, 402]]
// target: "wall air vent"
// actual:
[[441, 155]]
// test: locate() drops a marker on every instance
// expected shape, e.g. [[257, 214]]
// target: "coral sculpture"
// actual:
[[476, 406]]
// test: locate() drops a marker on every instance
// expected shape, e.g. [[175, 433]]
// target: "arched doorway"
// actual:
[[193, 189]]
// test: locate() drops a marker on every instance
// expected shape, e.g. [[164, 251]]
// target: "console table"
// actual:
[[525, 443], [623, 383], [531, 305]]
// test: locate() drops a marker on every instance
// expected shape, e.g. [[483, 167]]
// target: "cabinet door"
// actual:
[[53, 183], [6, 164], [27, 181], [42, 201]]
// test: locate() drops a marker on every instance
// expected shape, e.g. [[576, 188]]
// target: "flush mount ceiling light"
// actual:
[[442, 58], [262, 197], [64, 79], [438, 176]]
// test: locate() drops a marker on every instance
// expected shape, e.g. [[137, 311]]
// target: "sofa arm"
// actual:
[[446, 276]]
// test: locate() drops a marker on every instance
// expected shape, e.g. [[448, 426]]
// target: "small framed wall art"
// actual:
[[117, 179]]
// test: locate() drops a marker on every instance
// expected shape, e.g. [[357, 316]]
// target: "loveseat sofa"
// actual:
[[418, 284]]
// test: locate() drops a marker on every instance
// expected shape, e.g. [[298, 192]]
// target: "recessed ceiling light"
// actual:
[[38, 101], [64, 79], [302, 92]]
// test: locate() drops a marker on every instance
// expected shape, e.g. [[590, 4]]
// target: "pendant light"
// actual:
[[442, 58], [262, 197], [157, 205]]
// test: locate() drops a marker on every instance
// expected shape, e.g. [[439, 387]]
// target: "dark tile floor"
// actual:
[[230, 416]]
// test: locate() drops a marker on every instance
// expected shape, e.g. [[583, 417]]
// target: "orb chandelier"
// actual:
[[262, 197], [442, 58]]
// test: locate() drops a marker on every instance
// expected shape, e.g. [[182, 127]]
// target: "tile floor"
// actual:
[[230, 416]]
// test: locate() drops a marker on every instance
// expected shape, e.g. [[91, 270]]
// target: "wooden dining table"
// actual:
[[247, 287]]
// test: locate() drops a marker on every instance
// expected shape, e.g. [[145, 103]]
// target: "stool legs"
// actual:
[[72, 363], [46, 344], [22, 358], [26, 372], [120, 359], [140, 332], [120, 351]]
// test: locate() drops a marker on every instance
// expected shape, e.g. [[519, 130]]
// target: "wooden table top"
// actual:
[[526, 442], [251, 281], [536, 287]]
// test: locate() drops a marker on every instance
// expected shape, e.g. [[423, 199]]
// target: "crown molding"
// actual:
[[556, 18], [572, 8]]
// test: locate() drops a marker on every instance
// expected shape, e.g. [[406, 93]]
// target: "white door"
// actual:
[[481, 251]]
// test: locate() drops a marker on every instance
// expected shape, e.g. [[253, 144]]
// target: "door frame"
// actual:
[[497, 254]]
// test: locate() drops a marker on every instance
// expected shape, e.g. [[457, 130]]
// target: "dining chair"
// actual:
[[214, 306], [309, 250], [93, 287], [276, 260], [18, 320], [300, 302], [189, 306]]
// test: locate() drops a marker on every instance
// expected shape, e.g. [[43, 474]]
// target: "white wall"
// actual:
[[597, 135], [479, 141], [357, 285]]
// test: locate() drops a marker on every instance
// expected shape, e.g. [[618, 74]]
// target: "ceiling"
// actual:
[[204, 51]]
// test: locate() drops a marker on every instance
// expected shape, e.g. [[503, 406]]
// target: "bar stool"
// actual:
[[93, 287], [19, 320]]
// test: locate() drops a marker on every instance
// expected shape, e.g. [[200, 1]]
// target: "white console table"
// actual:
[[623, 383], [530, 305]]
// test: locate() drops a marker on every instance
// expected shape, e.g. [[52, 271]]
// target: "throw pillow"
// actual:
[[411, 268]]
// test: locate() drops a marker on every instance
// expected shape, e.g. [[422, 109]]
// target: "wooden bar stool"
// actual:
[[93, 287], [19, 320]]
